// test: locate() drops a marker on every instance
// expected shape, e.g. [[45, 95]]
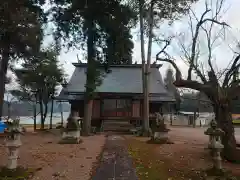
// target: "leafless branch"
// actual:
[[187, 59], [230, 72], [192, 55], [179, 82], [167, 43], [199, 25]]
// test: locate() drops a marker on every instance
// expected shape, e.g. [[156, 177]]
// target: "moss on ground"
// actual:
[[148, 167], [18, 174], [152, 166]]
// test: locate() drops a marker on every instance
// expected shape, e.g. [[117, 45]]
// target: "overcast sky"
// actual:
[[223, 53]]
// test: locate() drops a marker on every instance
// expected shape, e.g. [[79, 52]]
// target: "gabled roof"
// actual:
[[121, 79]]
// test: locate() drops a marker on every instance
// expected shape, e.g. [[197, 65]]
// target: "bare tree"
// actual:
[[146, 63], [151, 14], [220, 93]]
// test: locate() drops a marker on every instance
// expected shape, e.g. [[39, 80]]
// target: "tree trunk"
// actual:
[[145, 124], [91, 77], [224, 120], [61, 114], [9, 109], [34, 117], [3, 73], [50, 127], [45, 112], [171, 114], [194, 118], [146, 101], [41, 113], [148, 65], [87, 117]]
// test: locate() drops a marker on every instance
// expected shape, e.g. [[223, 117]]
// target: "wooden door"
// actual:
[[136, 108], [96, 109]]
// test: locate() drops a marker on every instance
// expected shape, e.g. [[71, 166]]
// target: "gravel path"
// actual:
[[115, 163], [57, 161]]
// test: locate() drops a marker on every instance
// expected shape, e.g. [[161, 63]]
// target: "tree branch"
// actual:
[[194, 42], [195, 37], [229, 73], [181, 83], [167, 43]]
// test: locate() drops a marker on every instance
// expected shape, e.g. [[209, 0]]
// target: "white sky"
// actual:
[[222, 52]]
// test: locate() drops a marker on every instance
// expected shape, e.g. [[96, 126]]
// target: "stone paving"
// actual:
[[115, 163]]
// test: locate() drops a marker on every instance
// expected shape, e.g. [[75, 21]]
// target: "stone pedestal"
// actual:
[[13, 143], [160, 135], [215, 144], [71, 137], [71, 134], [13, 150]]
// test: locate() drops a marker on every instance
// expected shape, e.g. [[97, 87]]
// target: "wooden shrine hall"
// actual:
[[120, 96]]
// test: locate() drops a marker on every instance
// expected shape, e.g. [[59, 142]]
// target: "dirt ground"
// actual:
[[188, 155], [57, 161], [196, 134]]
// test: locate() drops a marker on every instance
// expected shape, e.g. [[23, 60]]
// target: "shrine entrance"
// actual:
[[116, 108]]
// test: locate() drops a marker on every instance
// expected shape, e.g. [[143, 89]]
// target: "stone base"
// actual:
[[70, 137], [160, 138], [70, 140], [160, 135]]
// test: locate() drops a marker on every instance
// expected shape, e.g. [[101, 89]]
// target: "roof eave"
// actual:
[[120, 65]]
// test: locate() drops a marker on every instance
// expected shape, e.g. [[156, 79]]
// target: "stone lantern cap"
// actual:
[[14, 127], [213, 130], [74, 117]]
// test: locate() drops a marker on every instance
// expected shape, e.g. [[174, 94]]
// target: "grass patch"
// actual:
[[148, 167], [224, 174], [17, 174], [236, 121], [153, 166]]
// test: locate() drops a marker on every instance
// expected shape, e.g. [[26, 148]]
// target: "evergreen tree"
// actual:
[[20, 33], [40, 76], [96, 25]]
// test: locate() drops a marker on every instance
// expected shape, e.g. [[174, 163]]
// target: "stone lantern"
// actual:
[[160, 131], [13, 143], [71, 133], [215, 144]]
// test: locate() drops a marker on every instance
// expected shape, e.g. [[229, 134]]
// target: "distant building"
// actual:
[[120, 96]]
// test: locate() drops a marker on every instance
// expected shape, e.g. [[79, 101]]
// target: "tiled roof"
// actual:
[[121, 79]]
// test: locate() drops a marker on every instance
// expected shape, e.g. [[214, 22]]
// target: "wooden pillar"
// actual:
[[74, 109], [96, 109]]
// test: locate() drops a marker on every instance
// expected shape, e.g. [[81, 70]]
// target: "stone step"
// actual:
[[114, 125], [116, 121]]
